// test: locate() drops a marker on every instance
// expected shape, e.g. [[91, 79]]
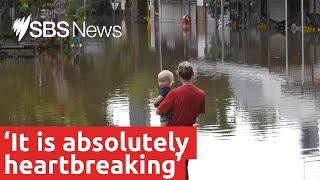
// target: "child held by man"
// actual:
[[165, 81]]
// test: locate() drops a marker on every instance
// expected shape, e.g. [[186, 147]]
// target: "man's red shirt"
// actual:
[[186, 103]]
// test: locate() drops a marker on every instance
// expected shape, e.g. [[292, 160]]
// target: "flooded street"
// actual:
[[262, 109]]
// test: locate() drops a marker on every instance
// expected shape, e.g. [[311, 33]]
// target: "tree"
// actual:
[[134, 10], [138, 10], [100, 7]]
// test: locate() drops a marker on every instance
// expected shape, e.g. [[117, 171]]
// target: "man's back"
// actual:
[[186, 103]]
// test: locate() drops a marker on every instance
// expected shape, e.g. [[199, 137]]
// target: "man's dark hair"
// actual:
[[185, 71]]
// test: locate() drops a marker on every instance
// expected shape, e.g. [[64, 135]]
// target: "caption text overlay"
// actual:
[[95, 152]]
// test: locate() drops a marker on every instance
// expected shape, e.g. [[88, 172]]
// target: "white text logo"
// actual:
[[49, 29], [20, 26]]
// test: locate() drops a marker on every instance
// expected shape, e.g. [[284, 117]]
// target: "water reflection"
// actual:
[[310, 138]]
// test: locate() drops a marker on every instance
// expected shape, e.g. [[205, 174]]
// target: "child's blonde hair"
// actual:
[[167, 74]]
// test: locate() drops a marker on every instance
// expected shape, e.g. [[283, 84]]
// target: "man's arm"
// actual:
[[158, 101], [166, 105], [202, 109], [158, 112]]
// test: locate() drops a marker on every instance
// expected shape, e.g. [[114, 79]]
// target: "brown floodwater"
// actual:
[[262, 109]]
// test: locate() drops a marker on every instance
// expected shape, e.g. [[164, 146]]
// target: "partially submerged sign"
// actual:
[[59, 6], [114, 5]]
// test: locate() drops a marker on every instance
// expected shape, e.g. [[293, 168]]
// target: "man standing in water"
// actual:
[[185, 102]]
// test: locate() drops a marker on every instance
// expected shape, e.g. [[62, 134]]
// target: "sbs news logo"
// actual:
[[61, 29]]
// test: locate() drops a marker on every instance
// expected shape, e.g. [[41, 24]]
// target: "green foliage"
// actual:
[[128, 4], [24, 9], [143, 8], [139, 10], [93, 7], [100, 7], [54, 43], [80, 12], [212, 6], [72, 6], [4, 4]]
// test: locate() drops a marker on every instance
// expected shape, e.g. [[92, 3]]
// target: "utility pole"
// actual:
[[222, 29], [190, 30], [84, 9], [222, 13], [286, 29], [216, 12], [302, 41], [268, 32], [189, 11], [314, 46], [244, 13], [268, 14], [113, 11], [160, 33]]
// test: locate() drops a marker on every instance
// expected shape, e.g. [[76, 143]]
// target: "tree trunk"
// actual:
[[135, 10]]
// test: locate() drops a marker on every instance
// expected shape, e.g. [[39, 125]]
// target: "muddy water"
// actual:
[[262, 109]]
